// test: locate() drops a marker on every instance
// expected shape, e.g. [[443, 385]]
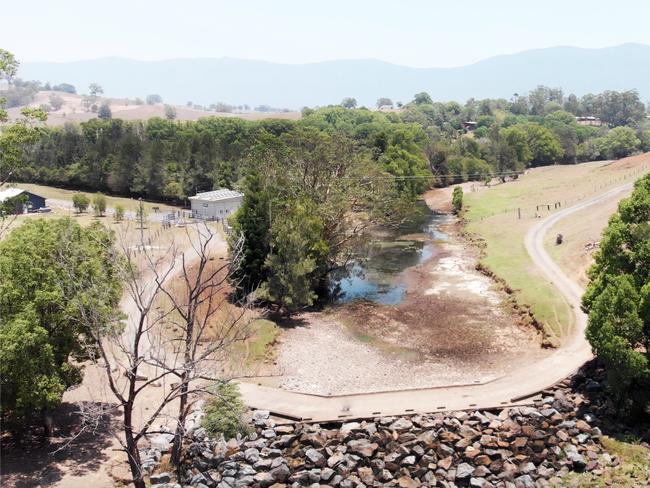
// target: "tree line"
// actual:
[[618, 300]]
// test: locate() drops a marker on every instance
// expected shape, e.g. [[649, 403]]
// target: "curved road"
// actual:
[[520, 387]]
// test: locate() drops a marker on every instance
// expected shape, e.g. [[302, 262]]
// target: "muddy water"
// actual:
[[376, 273]]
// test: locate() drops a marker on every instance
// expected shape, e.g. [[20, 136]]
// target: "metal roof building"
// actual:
[[216, 204], [30, 203]]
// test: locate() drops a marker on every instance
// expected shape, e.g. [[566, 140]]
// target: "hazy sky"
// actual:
[[409, 32]]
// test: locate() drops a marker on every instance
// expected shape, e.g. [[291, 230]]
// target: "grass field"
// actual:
[[129, 204], [74, 111], [503, 214]]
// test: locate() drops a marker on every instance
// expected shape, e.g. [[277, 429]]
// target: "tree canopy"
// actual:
[[45, 267], [618, 298]]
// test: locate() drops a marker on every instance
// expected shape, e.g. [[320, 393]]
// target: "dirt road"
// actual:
[[571, 291], [519, 386]]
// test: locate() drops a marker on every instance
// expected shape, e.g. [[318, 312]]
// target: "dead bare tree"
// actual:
[[203, 294], [149, 353]]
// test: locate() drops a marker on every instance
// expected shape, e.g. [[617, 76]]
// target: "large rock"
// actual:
[[464, 471], [281, 473], [315, 458], [162, 442], [160, 478], [362, 447]]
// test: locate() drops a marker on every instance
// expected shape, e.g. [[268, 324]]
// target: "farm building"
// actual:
[[593, 121], [469, 125], [215, 205], [19, 201]]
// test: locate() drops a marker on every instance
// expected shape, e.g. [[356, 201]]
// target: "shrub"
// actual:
[[457, 199], [80, 202], [119, 213], [224, 412], [99, 205]]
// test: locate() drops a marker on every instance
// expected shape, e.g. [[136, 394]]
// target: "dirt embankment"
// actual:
[[453, 326]]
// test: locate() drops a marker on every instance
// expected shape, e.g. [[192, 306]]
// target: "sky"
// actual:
[[415, 33]]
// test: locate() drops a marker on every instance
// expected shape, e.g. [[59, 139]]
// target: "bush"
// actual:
[[119, 213], [457, 199], [80, 202], [153, 99], [104, 111], [65, 87], [99, 205], [619, 142], [224, 412]]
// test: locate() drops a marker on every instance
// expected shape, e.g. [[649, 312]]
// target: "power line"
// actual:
[[417, 177]]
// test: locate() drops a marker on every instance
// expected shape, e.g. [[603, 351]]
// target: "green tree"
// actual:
[[41, 329], [620, 108], [644, 139], [153, 99], [572, 105], [8, 69], [297, 251], [617, 299], [99, 205], [349, 102], [545, 147], [65, 87], [56, 102], [457, 199], [224, 412], [80, 202], [384, 102], [95, 89], [170, 112], [515, 143], [119, 213], [619, 142], [252, 224], [422, 98], [104, 111]]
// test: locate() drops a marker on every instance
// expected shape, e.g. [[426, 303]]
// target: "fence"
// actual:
[[545, 208]]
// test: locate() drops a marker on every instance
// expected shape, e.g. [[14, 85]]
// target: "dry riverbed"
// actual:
[[453, 326]]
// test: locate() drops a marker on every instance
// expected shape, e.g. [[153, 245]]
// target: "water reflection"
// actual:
[[375, 272]]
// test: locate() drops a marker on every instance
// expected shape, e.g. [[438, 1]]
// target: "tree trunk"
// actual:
[[48, 427], [180, 426], [132, 451]]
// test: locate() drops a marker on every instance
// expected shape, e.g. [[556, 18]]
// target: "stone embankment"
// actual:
[[518, 447]]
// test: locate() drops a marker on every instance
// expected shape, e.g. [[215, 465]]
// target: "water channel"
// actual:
[[374, 274]]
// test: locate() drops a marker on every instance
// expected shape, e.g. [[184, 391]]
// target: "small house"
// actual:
[[19, 201], [469, 125], [215, 205], [589, 121]]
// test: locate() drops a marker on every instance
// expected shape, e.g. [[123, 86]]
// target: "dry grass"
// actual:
[[130, 204], [492, 214], [73, 110], [633, 469]]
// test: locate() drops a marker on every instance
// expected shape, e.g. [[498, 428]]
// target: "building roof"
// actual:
[[10, 193], [216, 195]]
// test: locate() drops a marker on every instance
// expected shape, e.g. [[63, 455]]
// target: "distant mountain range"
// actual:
[[239, 81]]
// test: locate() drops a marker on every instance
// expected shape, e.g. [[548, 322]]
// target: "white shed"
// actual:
[[215, 205]]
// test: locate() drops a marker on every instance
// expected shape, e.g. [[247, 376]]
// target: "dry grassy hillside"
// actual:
[[74, 111]]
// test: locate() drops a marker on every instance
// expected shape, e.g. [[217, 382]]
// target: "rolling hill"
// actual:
[[239, 81]]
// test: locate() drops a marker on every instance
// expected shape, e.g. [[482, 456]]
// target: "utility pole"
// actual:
[[141, 224]]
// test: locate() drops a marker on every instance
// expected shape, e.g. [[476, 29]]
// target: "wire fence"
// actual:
[[544, 208]]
